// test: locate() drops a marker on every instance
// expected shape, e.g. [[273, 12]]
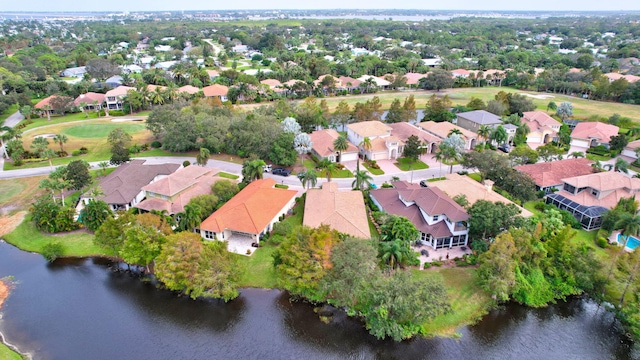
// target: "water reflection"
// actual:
[[82, 309]]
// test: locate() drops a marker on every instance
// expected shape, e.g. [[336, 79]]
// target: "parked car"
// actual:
[[505, 148], [281, 172], [266, 168], [424, 183]]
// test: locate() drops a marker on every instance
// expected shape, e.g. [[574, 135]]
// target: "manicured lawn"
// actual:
[[8, 354], [92, 131], [259, 271], [595, 157], [9, 189], [335, 174], [281, 186], [406, 164], [28, 238], [475, 176], [228, 176], [531, 206], [436, 179], [468, 301], [584, 237], [372, 170]]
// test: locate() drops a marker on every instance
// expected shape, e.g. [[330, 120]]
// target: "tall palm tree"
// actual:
[[327, 167], [630, 226], [392, 252], [60, 139], [577, 154], [621, 165], [362, 178], [340, 144], [484, 132], [47, 109], [499, 135], [307, 178], [203, 156], [252, 170], [365, 146], [191, 217], [454, 131]]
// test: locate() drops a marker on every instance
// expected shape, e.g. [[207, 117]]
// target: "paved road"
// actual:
[[13, 119]]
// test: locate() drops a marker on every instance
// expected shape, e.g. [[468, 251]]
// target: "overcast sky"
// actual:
[[156, 5]]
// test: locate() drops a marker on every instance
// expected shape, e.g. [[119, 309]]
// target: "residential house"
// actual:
[[165, 65], [114, 81], [402, 131], [173, 192], [216, 90], [212, 74], [617, 76], [549, 175], [275, 85], [343, 211], [188, 89], [592, 134], [631, 150], [460, 73], [76, 72], [432, 62], [43, 104], [588, 197], [542, 127], [322, 147], [473, 120], [511, 132], [131, 69], [457, 185], [349, 84], [113, 98], [441, 221], [379, 82], [93, 100], [250, 214], [443, 129], [413, 79], [384, 146], [123, 187]]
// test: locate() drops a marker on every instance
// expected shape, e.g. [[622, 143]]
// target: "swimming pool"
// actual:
[[632, 243]]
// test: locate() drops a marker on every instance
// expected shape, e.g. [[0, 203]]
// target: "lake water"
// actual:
[[81, 309]]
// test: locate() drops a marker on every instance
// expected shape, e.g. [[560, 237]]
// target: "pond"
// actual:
[[82, 309]]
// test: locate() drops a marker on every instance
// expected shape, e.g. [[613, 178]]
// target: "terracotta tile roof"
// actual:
[[378, 81], [403, 131], [43, 102], [180, 187], [481, 117], [594, 130], [215, 90], [343, 211], [346, 80], [547, 174], [322, 141], [585, 198], [390, 201], [633, 145], [460, 72], [442, 129], [456, 184], [414, 78], [293, 82], [126, 181], [189, 89], [272, 83], [617, 76], [119, 91], [89, 98], [153, 88], [370, 129], [212, 73], [605, 181], [251, 210], [380, 144], [538, 120]]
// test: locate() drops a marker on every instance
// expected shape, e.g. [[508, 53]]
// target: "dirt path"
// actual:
[[9, 223]]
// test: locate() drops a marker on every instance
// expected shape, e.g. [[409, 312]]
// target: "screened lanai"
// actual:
[[589, 216]]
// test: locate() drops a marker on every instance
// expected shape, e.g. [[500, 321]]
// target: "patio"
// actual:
[[440, 254], [239, 244]]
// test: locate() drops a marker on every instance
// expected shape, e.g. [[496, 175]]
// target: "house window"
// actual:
[[435, 217], [594, 192], [209, 234]]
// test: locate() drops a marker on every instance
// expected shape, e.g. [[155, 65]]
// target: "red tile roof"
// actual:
[[322, 142], [537, 120], [547, 174], [403, 131], [594, 130], [89, 98], [215, 90], [251, 210], [44, 102]]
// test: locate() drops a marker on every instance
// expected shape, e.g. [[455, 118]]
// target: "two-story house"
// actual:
[[441, 221], [592, 134], [443, 129], [113, 98], [473, 120], [588, 197], [542, 127], [382, 145]]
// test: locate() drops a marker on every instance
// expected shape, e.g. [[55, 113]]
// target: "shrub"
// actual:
[[76, 153], [186, 163], [84, 150], [436, 263], [156, 144], [116, 113], [144, 147], [52, 251], [602, 242], [62, 153]]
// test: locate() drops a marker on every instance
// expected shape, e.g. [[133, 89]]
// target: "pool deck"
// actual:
[[613, 240]]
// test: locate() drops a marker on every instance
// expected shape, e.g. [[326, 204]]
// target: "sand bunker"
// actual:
[[539, 96], [45, 136], [126, 119]]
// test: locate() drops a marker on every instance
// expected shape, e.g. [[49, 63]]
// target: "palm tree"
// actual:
[[621, 165], [577, 154], [103, 165], [327, 167], [95, 107], [362, 178], [190, 218], [439, 156], [6, 134], [340, 144], [392, 252], [203, 157], [365, 146], [252, 170], [47, 109], [484, 132], [307, 178], [455, 131], [552, 106], [60, 139], [630, 226], [83, 106], [499, 135]]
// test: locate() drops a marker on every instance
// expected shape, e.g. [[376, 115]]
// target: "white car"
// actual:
[[266, 168]]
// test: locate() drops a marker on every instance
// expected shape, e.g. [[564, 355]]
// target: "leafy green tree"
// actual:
[[224, 190], [618, 142], [523, 154], [549, 152], [111, 234], [497, 267], [450, 150], [396, 112], [399, 228], [565, 110], [564, 135], [488, 219], [77, 174], [282, 152], [52, 250], [327, 167], [437, 79], [476, 104], [437, 109], [409, 112], [413, 148], [119, 141], [142, 245], [342, 114], [94, 214]]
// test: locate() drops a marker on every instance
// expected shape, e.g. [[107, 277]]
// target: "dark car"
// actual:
[[424, 183], [505, 148], [281, 172]]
